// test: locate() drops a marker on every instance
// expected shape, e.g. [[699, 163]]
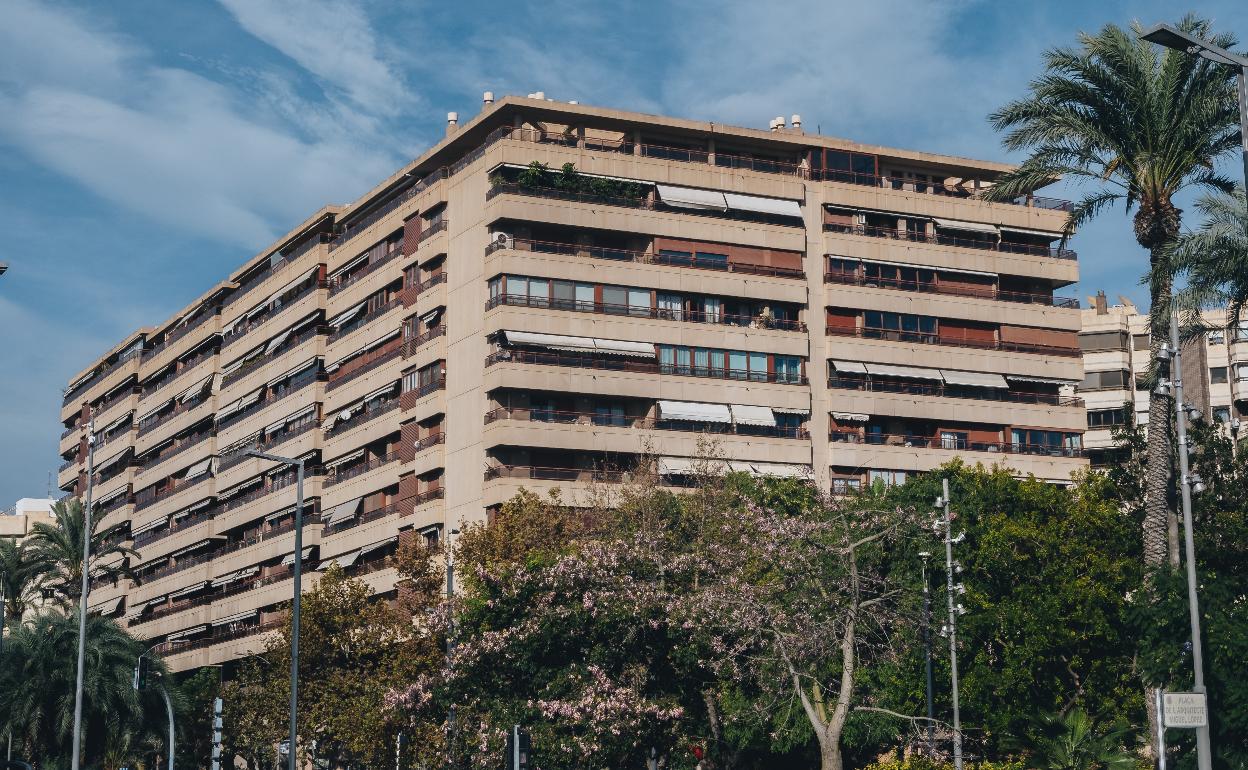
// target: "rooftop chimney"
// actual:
[[487, 98], [1102, 306], [796, 120], [452, 122], [780, 122]]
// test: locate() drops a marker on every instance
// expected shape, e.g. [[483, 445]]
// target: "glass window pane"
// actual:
[[717, 363], [584, 296], [758, 366], [539, 290], [564, 292], [639, 302], [517, 286], [615, 299], [738, 364]]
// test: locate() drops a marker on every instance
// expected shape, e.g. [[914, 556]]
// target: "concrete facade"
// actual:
[[825, 309]]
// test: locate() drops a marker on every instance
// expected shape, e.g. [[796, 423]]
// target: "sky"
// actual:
[[148, 148]]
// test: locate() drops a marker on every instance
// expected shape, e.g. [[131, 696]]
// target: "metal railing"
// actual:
[[430, 440], [364, 363], [376, 215], [242, 331], [297, 384], [365, 318], [142, 501], [156, 535], [337, 475], [176, 334], [600, 420], [437, 227], [176, 448], [343, 282], [939, 239], [364, 416], [365, 518], [947, 391], [411, 345], [951, 443], [266, 359], [265, 441], [609, 363], [853, 279], [428, 495], [929, 338], [540, 473], [636, 311], [643, 257]]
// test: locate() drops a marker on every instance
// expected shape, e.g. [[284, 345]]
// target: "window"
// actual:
[[893, 326], [585, 296], [1140, 341], [1052, 442], [887, 478], [1115, 378], [842, 486], [788, 369], [1094, 341], [789, 424], [670, 306], [952, 440], [1222, 414], [899, 277], [639, 303], [671, 257], [712, 260], [842, 267], [841, 166], [1217, 375], [1106, 418], [615, 300], [1217, 337], [610, 414]]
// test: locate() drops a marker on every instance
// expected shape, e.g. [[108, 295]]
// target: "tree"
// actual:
[[20, 576], [57, 550], [1215, 258], [1070, 741], [37, 693], [1140, 125], [198, 690]]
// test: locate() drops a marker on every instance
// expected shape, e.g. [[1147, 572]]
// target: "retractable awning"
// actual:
[[625, 348], [552, 341], [692, 197], [778, 206], [753, 415], [1044, 380], [347, 267], [111, 496], [234, 577], [236, 617], [289, 558], [115, 424], [276, 342], [782, 470], [850, 366], [381, 391], [789, 410], [693, 411], [198, 586], [973, 227], [303, 277], [376, 546], [342, 318], [429, 317], [240, 404], [342, 512], [850, 417], [297, 370], [1026, 231], [188, 632], [974, 379], [247, 358], [199, 468], [106, 607], [675, 466], [344, 561], [149, 526], [240, 488], [913, 372], [161, 408], [334, 463], [190, 548], [195, 389]]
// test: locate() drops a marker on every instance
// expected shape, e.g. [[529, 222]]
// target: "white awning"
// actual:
[[190, 548], [625, 348], [160, 408], [777, 206], [554, 341], [675, 466], [352, 264], [973, 227], [344, 561], [110, 496], [298, 369], [1044, 380], [240, 404], [101, 466], [195, 389], [850, 366], [753, 415], [377, 546], [1025, 231], [381, 340], [790, 410], [198, 586], [782, 470], [234, 577], [288, 511], [381, 391], [289, 558], [429, 317], [236, 617], [694, 411], [850, 417], [106, 607], [199, 468], [342, 318], [188, 632], [148, 526], [276, 342], [247, 358], [936, 268], [692, 198], [342, 512], [334, 463], [913, 372], [239, 488], [115, 424], [974, 379], [291, 285]]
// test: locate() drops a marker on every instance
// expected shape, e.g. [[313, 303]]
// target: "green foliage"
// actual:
[[568, 179], [1072, 742], [194, 721], [20, 576], [1215, 258], [918, 761], [56, 549]]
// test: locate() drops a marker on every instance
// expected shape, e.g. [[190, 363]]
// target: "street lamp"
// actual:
[[1169, 37], [138, 681], [82, 601], [294, 608], [927, 649]]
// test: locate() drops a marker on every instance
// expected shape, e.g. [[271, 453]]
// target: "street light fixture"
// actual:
[[76, 758], [927, 650], [1168, 36], [163, 692], [298, 592]]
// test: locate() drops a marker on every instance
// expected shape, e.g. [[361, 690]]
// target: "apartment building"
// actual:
[[822, 309], [1115, 342]]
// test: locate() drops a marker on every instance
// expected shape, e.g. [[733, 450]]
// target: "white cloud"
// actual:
[[332, 40]]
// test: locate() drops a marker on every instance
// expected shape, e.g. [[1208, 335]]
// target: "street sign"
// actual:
[[1185, 709]]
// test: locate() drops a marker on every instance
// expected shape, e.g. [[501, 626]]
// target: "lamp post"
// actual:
[[1189, 482], [164, 694], [927, 649], [75, 760], [291, 763], [1169, 37], [942, 502]]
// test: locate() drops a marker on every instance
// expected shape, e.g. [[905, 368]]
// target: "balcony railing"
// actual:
[[643, 257], [599, 420], [539, 473], [117, 398], [287, 259], [634, 311], [243, 330], [364, 363], [219, 635], [951, 443], [431, 440], [430, 282], [379, 213], [179, 408], [411, 345], [265, 443], [176, 334], [181, 564], [362, 320], [156, 535], [297, 384], [987, 292], [408, 398], [428, 495], [339, 475], [932, 188], [181, 485], [946, 391], [366, 415], [172, 609], [346, 281], [366, 517], [433, 229], [259, 537], [580, 361], [266, 359], [70, 431], [950, 240], [957, 342], [177, 447], [183, 368]]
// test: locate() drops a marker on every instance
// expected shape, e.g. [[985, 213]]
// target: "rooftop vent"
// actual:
[[452, 122], [487, 98]]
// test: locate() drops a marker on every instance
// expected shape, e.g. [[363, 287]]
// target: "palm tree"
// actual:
[[20, 576], [57, 549], [1215, 258], [1070, 742], [1140, 125], [37, 693]]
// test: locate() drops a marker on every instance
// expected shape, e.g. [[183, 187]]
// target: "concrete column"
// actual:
[[710, 151]]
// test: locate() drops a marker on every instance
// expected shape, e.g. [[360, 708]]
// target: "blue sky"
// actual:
[[147, 148]]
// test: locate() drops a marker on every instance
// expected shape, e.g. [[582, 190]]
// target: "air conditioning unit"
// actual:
[[504, 240]]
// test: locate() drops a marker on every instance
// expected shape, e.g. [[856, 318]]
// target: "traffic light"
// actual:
[[141, 670], [519, 749]]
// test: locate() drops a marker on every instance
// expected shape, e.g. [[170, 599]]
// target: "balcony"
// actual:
[[267, 442], [957, 342], [851, 279], [379, 213], [219, 635], [364, 320], [181, 564], [433, 229], [345, 282], [408, 398], [364, 364], [948, 240], [176, 448], [336, 476], [176, 334], [537, 473], [434, 440], [949, 443], [181, 407], [364, 416], [430, 282], [146, 499], [241, 332], [641, 423], [645, 367], [930, 188], [265, 359], [117, 398], [182, 368], [945, 391], [429, 495], [172, 609], [633, 311], [293, 255], [297, 384], [410, 346], [265, 489], [367, 517], [642, 257], [309, 519], [156, 535]]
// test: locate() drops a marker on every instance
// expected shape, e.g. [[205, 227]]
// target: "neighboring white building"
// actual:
[[16, 522]]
